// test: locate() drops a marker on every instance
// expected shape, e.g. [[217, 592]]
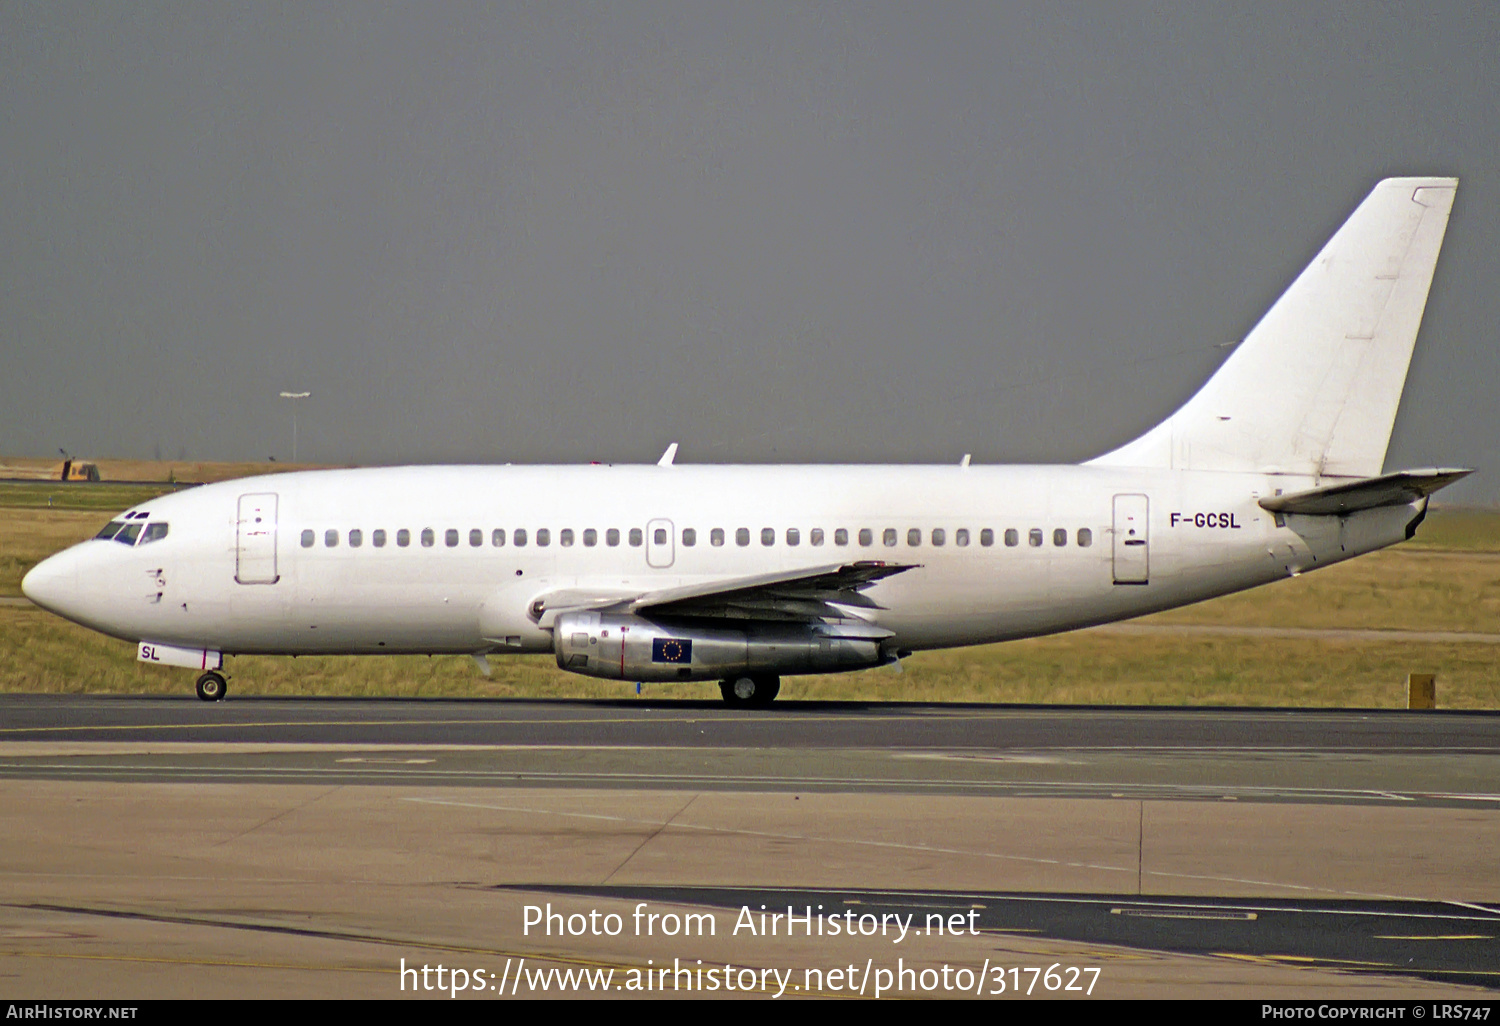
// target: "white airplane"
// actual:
[[743, 573]]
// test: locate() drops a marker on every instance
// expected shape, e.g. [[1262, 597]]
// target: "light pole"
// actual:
[[294, 395]]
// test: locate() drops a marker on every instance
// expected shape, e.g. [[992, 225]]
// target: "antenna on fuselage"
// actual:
[[668, 456]]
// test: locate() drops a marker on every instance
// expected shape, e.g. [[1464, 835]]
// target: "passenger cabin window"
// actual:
[[841, 536], [768, 536], [716, 536], [403, 538], [742, 536], [429, 538], [612, 537], [914, 536], [308, 538], [815, 536], [793, 536], [565, 536], [1085, 537], [377, 537], [659, 536], [129, 534], [476, 537], [635, 537], [939, 536], [331, 538], [450, 537], [888, 537], [961, 536], [1059, 536], [543, 536], [1034, 537], [866, 536], [109, 530], [1012, 537], [590, 537], [356, 538], [518, 539], [689, 537], [987, 537]]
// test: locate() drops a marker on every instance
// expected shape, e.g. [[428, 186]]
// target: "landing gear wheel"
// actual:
[[750, 692], [212, 686]]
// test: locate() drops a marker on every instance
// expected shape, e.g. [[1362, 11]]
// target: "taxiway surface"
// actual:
[[163, 847]]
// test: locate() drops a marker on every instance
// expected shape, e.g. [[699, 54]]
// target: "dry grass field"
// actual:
[[167, 471], [1447, 579]]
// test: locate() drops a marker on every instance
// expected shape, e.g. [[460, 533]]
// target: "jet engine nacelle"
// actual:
[[623, 647]]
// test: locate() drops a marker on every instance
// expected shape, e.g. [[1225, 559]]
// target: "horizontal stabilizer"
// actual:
[[1387, 490]]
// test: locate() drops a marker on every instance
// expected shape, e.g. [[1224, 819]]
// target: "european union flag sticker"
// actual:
[[670, 650]]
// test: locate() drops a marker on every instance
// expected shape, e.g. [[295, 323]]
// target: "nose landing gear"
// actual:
[[212, 687], [750, 692]]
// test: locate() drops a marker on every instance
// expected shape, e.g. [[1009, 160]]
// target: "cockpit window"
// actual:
[[154, 532], [109, 530], [128, 535]]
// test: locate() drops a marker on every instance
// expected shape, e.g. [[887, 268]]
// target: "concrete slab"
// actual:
[[121, 891]]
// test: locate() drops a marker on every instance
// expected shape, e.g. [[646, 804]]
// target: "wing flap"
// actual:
[[837, 578], [805, 595]]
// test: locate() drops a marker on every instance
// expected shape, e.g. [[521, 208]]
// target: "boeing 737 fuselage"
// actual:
[[742, 574]]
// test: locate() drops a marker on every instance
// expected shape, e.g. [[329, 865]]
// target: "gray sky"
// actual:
[[829, 233]]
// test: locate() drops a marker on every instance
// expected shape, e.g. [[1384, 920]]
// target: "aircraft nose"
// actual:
[[53, 583]]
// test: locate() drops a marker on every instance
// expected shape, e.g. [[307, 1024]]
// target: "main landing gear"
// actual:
[[750, 692], [212, 686]]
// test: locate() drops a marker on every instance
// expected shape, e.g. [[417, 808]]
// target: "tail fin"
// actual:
[[1315, 387]]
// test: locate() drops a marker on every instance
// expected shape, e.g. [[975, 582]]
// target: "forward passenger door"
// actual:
[[255, 540]]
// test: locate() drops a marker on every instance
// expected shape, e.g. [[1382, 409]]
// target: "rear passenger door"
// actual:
[[1132, 539]]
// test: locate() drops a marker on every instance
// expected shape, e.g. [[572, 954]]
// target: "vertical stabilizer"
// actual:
[[1315, 387]]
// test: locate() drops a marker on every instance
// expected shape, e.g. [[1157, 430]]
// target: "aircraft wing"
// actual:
[[1387, 490], [807, 594]]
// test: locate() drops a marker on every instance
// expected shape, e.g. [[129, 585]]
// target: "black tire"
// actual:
[[750, 692], [212, 687]]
